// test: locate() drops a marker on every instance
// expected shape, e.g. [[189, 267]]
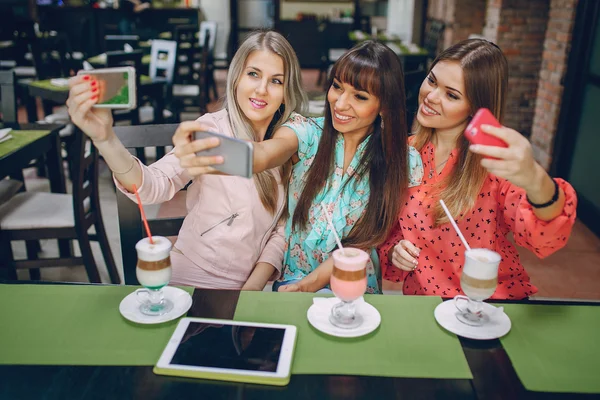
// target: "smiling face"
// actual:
[[353, 111], [442, 101], [259, 91]]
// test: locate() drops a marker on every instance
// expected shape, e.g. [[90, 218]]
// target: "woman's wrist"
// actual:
[[542, 189]]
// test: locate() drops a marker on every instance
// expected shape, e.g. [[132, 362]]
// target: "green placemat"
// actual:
[[20, 139], [45, 84], [555, 348], [408, 343], [75, 325]]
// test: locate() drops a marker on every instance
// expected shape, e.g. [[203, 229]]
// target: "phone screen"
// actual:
[[241, 347], [113, 87]]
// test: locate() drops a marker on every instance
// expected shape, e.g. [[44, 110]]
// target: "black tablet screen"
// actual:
[[230, 346]]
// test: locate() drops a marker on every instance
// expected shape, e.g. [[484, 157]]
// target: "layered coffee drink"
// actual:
[[349, 277], [153, 269], [480, 274]]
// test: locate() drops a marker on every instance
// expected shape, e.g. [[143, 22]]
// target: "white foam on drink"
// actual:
[[350, 259], [153, 252], [476, 268]]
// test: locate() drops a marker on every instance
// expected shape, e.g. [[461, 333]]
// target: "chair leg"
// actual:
[[109, 260], [7, 270], [213, 83], [33, 248], [88, 258], [160, 152], [141, 155]]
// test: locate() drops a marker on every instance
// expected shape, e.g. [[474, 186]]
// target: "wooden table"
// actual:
[[48, 146], [493, 376]]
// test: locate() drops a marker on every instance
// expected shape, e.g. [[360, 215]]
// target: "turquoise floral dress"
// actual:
[[305, 250]]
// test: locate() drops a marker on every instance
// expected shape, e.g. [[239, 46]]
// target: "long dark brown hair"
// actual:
[[374, 68], [485, 71]]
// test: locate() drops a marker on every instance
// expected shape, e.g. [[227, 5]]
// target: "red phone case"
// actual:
[[474, 133]]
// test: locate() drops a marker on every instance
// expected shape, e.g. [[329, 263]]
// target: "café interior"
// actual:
[[63, 223]]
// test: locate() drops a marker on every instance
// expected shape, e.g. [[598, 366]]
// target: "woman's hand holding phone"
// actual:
[[514, 162], [186, 148], [94, 122]]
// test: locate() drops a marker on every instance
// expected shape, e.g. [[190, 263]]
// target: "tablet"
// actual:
[[230, 351]]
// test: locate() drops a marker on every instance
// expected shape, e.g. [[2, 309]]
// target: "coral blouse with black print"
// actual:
[[501, 208]]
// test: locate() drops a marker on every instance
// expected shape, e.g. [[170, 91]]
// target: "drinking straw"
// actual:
[[460, 235], [337, 238], [139, 201]]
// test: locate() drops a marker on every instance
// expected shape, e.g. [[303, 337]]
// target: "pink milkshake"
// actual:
[[349, 277]]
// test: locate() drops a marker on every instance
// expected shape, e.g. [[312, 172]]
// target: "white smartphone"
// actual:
[[116, 87], [237, 154], [229, 350]]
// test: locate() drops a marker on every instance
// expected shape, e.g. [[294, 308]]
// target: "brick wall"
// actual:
[[556, 49], [519, 28], [461, 17]]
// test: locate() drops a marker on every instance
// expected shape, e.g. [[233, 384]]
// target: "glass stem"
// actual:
[[475, 307], [156, 297]]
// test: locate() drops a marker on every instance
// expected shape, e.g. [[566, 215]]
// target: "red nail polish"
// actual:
[[94, 97], [86, 78], [94, 83], [94, 90]]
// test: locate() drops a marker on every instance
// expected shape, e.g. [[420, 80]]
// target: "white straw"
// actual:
[[337, 238], [460, 235]]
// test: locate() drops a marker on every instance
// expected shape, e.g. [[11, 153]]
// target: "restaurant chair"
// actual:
[[118, 42], [412, 85], [130, 223], [162, 68], [190, 88], [209, 27], [41, 215]]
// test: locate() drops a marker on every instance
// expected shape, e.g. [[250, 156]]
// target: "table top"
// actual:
[[493, 375]]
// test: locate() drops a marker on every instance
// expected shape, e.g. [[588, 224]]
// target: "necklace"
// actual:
[[432, 167]]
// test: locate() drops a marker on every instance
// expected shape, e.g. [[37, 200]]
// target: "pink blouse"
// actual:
[[501, 208]]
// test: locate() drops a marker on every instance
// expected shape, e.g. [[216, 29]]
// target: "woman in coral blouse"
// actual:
[[491, 191]]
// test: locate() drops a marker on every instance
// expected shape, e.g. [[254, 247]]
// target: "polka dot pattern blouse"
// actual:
[[501, 209]]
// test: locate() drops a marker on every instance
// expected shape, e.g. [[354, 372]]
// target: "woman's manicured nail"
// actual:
[[86, 78]]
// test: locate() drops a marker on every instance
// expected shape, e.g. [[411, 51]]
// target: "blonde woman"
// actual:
[[230, 238], [491, 191]]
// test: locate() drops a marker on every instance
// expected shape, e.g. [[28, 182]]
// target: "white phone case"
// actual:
[[112, 84]]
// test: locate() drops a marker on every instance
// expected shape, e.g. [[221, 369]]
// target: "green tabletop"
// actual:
[[75, 325], [19, 140], [100, 59], [46, 84], [555, 348], [408, 343]]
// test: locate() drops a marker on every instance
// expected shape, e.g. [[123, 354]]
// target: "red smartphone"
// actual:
[[475, 135]]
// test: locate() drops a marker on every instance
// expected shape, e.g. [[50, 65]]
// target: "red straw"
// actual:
[[139, 201]]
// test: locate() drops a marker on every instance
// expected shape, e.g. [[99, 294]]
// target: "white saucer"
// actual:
[[498, 326], [130, 307], [318, 316]]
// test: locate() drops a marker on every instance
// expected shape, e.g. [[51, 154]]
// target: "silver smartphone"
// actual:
[[237, 154], [116, 87]]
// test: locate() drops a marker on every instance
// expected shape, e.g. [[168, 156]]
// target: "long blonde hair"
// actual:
[[294, 99], [485, 71]]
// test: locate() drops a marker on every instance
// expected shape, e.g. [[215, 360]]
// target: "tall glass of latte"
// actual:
[[478, 280], [348, 282], [153, 271]]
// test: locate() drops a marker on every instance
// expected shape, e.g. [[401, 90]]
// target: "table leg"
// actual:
[[57, 184]]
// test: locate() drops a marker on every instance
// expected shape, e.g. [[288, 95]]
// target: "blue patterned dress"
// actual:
[[305, 250]]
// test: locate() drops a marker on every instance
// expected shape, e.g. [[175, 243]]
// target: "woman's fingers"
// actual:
[[185, 131], [193, 147], [509, 136], [403, 261], [192, 161], [289, 288], [491, 151], [410, 248]]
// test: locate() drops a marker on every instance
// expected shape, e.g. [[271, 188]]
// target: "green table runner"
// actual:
[[47, 84], [75, 325], [555, 348], [408, 343], [20, 139]]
